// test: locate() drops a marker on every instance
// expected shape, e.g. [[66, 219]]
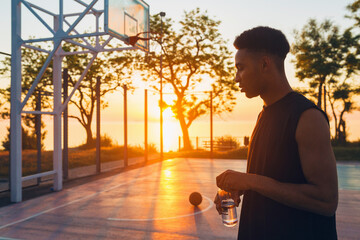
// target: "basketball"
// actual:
[[195, 198]]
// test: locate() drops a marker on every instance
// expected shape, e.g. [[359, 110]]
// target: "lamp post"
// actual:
[[162, 14]]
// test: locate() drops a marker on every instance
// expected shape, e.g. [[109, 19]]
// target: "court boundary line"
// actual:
[[68, 203], [6, 238], [165, 218]]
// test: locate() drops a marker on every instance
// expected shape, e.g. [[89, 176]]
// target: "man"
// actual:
[[290, 188]]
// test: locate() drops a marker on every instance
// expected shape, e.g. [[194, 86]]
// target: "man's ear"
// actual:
[[265, 63]]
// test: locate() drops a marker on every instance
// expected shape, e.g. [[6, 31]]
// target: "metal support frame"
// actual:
[[15, 101], [57, 76], [211, 125], [38, 134], [59, 34], [146, 151], [65, 127], [98, 135], [125, 127]]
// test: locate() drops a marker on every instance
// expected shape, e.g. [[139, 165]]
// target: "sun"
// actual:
[[171, 130], [168, 115]]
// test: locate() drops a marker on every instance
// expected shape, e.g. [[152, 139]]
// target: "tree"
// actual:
[[111, 67], [32, 61], [345, 88], [28, 140], [316, 50], [193, 56], [354, 8], [342, 94], [328, 58]]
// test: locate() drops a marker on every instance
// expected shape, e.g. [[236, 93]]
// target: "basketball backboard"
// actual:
[[125, 18]]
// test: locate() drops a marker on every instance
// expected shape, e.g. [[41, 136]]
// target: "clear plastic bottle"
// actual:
[[228, 207]]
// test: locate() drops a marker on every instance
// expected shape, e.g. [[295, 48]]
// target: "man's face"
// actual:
[[248, 73]]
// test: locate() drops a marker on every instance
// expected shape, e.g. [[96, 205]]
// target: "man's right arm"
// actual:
[[320, 193]]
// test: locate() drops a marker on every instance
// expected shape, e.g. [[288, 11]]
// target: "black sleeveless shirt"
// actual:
[[273, 152]]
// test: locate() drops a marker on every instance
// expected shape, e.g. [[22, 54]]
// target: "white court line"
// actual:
[[66, 204], [5, 238], [166, 218]]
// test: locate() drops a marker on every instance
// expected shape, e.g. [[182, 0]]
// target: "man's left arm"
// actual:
[[320, 193]]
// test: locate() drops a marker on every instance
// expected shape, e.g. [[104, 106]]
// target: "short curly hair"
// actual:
[[266, 39]]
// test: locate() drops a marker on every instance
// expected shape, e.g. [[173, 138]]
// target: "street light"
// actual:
[[162, 14], [132, 41]]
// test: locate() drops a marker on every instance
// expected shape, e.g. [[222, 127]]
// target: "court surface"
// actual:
[[145, 203]]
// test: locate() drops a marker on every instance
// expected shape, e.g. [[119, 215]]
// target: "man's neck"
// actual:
[[276, 91]]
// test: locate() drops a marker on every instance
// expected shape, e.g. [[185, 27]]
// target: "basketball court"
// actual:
[[150, 202]]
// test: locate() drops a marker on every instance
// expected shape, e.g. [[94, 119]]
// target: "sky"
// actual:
[[235, 16]]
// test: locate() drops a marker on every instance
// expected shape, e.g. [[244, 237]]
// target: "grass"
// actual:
[[77, 158], [240, 153], [347, 153], [85, 157], [351, 152]]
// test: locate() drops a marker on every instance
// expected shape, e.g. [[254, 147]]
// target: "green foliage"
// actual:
[[227, 141], [318, 55], [327, 59], [32, 62], [111, 67], [354, 8], [77, 158], [28, 140], [315, 50], [152, 148], [347, 153], [195, 58], [113, 70], [239, 153], [105, 141]]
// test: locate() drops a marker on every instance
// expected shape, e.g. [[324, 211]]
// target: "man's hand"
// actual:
[[232, 181], [235, 195], [217, 202]]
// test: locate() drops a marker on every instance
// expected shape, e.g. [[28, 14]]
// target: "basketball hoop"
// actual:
[[132, 40]]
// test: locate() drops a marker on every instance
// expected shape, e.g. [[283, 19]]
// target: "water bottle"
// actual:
[[228, 209]]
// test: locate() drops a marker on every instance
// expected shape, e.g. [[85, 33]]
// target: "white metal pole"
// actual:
[[57, 154], [61, 15], [15, 101], [97, 30]]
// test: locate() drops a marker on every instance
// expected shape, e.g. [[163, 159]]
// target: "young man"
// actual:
[[290, 188]]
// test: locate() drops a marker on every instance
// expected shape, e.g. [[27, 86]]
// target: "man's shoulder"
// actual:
[[302, 105], [298, 98], [312, 115], [312, 122]]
